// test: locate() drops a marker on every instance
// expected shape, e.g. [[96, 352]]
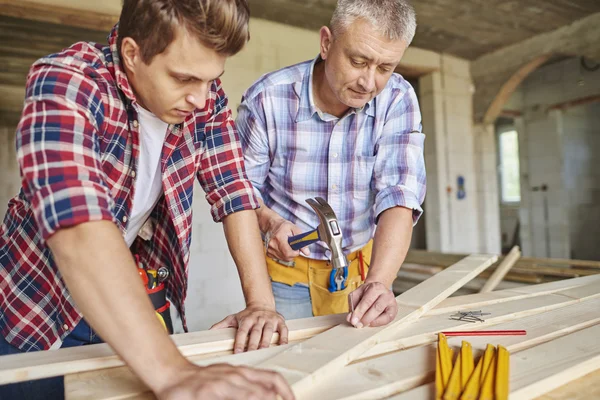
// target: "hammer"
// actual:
[[329, 232]]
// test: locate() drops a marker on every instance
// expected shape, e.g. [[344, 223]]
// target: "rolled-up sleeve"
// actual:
[[255, 143], [58, 149], [399, 171], [222, 172]]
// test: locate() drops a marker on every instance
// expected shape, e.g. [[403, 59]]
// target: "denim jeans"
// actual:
[[49, 388], [292, 301]]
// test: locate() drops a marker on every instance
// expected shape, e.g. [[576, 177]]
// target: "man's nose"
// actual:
[[197, 97], [367, 80]]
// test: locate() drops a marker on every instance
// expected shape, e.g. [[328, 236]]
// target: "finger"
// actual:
[[256, 334], [233, 384], [279, 248], [270, 380], [241, 336], [376, 309], [267, 335], [283, 333], [364, 303], [305, 251], [353, 300], [228, 322], [388, 316]]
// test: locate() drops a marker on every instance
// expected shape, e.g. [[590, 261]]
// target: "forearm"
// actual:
[[390, 245], [102, 278], [246, 247]]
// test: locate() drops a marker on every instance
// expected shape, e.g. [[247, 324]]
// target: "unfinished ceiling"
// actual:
[[24, 41], [464, 28]]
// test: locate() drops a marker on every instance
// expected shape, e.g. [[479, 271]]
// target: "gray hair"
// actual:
[[396, 19]]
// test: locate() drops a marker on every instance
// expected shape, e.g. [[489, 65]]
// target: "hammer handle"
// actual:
[[304, 239]]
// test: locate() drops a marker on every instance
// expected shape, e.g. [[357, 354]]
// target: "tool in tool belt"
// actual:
[[155, 288], [329, 232]]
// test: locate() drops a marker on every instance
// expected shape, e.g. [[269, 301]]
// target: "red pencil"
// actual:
[[486, 333]]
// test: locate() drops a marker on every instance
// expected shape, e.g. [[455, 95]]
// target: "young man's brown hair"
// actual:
[[221, 25]]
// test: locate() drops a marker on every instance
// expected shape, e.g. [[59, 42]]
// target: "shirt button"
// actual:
[[124, 218], [66, 327], [334, 187], [335, 155], [133, 174], [135, 123]]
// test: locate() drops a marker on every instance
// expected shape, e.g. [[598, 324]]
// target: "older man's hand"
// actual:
[[374, 305]]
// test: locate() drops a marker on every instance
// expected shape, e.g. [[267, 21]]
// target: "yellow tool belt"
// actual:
[[315, 274]]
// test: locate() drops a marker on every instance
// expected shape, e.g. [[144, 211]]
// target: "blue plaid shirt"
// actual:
[[364, 163]]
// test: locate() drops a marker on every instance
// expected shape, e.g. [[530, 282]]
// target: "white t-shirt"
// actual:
[[148, 180]]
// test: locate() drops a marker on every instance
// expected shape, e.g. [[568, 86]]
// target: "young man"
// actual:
[[344, 127], [109, 143]]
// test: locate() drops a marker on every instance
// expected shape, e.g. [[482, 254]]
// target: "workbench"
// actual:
[[559, 358]]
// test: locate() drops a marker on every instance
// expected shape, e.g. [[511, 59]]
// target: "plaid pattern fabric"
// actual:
[[362, 164], [77, 146]]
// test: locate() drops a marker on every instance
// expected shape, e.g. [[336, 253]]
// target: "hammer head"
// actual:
[[329, 231]]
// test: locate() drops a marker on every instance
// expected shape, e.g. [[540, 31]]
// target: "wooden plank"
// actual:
[[550, 365], [37, 365], [389, 374], [58, 15], [123, 383], [445, 259], [502, 270], [75, 360], [542, 328], [424, 330], [586, 387], [311, 361]]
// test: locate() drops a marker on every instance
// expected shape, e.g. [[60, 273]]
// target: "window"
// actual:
[[509, 167]]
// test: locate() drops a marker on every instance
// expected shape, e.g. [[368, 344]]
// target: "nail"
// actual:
[[354, 321]]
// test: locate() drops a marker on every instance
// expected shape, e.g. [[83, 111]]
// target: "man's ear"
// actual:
[[130, 54], [326, 40]]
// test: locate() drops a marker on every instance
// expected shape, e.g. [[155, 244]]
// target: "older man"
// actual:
[[344, 127]]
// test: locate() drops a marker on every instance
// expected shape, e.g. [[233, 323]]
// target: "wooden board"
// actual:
[[374, 376], [550, 365], [44, 364], [91, 358], [502, 270], [586, 387], [312, 361]]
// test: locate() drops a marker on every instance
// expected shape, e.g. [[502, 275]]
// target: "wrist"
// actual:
[[268, 304], [169, 372], [387, 282]]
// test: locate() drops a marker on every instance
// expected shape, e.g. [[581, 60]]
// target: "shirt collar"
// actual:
[[304, 91], [115, 67]]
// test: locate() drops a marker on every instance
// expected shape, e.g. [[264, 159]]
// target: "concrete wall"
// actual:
[[582, 179], [549, 142], [453, 223]]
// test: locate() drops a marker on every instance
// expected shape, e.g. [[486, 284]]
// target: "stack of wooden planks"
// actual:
[[328, 359], [419, 265]]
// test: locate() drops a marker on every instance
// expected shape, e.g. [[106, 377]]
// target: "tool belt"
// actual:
[[158, 295], [316, 274]]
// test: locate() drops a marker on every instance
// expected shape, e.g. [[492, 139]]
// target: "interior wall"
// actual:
[[582, 178], [546, 223], [452, 223]]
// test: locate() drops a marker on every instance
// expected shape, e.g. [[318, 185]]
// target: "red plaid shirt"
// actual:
[[77, 147]]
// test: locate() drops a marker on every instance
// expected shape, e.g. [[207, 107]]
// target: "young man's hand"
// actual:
[[374, 305], [223, 381], [255, 327], [277, 237]]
